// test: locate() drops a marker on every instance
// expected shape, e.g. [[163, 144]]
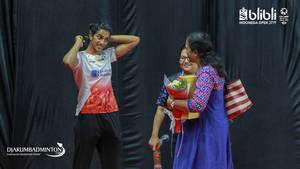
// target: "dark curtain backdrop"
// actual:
[[38, 94]]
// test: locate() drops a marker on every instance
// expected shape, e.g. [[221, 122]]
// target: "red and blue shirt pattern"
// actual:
[[207, 80], [93, 78]]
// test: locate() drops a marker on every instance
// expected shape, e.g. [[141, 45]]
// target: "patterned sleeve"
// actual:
[[204, 86], [163, 97]]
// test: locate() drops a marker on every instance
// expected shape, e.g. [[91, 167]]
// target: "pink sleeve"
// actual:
[[204, 86]]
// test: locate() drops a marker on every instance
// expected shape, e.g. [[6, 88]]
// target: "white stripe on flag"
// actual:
[[234, 84], [235, 92], [239, 99], [239, 107]]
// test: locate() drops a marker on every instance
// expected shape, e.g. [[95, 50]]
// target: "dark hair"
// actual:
[[94, 27], [182, 47], [201, 42]]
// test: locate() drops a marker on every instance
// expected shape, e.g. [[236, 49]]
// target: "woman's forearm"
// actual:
[[158, 120], [70, 58], [121, 39], [125, 43]]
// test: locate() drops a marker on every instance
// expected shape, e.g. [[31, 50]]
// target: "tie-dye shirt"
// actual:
[[93, 79]]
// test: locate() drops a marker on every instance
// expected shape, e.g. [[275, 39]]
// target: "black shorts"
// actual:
[[100, 131]]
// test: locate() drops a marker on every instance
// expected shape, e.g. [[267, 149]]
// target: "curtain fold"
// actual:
[[38, 94]]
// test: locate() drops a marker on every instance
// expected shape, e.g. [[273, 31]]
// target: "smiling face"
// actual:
[[99, 40], [185, 64], [192, 54]]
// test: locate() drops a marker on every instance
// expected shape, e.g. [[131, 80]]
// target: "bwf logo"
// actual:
[[260, 16]]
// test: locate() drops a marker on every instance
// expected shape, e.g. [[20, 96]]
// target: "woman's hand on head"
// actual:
[[79, 40]]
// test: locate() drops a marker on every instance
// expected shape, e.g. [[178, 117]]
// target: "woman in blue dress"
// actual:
[[204, 143]]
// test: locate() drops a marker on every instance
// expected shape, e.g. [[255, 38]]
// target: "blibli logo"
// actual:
[[243, 14], [259, 14]]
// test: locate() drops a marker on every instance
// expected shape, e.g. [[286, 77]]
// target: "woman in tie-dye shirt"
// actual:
[[98, 124]]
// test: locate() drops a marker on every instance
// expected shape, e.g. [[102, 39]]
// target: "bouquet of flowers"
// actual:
[[182, 88], [177, 89]]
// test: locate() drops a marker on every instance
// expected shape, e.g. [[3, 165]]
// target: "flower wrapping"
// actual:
[[181, 89]]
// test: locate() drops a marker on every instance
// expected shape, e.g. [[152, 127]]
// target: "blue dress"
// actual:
[[204, 142]]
